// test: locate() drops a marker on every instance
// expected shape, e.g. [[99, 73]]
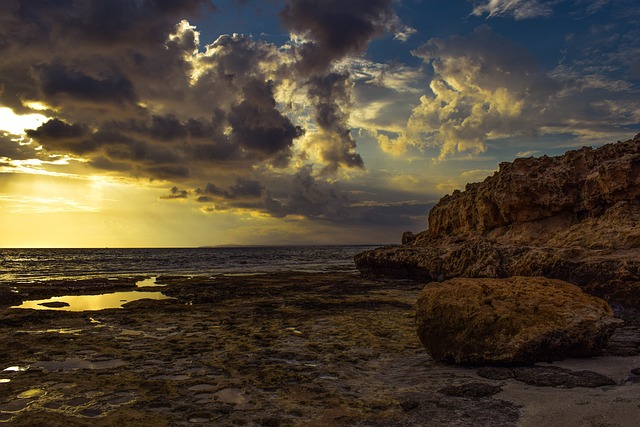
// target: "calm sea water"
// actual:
[[40, 264]]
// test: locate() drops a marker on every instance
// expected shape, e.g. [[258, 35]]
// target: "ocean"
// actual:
[[25, 265]]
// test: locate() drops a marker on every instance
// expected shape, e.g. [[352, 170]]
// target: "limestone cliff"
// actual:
[[574, 217]]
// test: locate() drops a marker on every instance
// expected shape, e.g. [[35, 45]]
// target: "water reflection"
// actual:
[[91, 302], [15, 369], [149, 283]]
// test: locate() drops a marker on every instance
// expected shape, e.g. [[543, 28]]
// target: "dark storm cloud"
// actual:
[[210, 193], [57, 80], [59, 136], [163, 146], [404, 214], [243, 189], [246, 188], [132, 91], [95, 23], [80, 47], [308, 197], [320, 200], [175, 193], [56, 129], [156, 103], [335, 28], [103, 163], [258, 125]]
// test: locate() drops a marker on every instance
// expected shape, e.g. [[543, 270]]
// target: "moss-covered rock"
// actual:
[[511, 321]]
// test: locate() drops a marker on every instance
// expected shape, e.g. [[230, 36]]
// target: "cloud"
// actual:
[[257, 126], [310, 198], [131, 89], [334, 29], [58, 130], [384, 95], [234, 123], [483, 87], [331, 97], [243, 189], [175, 193], [56, 81], [12, 147], [327, 32], [138, 94], [518, 9]]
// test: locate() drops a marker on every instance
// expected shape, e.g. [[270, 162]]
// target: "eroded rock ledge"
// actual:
[[574, 217]]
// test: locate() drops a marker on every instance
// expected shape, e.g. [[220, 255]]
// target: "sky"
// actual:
[[163, 123]]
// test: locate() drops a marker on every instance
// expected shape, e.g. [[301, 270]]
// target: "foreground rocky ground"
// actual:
[[279, 350]]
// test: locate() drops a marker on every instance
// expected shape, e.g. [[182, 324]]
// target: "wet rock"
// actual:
[[442, 410], [408, 237], [474, 390], [495, 373], [507, 321], [548, 376], [624, 342], [55, 304], [9, 296]]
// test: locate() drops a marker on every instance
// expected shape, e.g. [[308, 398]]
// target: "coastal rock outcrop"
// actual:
[[511, 321], [574, 217]]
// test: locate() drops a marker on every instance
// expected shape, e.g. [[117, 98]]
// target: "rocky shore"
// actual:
[[502, 270], [574, 217], [280, 350]]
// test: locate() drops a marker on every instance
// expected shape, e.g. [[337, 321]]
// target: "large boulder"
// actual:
[[574, 217], [520, 320]]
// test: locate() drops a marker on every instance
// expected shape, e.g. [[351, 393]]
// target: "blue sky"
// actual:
[[188, 123]]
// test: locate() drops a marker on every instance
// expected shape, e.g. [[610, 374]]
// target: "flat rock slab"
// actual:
[[520, 320], [473, 390], [548, 376]]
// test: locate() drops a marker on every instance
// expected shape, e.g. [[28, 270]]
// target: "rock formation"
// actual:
[[507, 321], [574, 217]]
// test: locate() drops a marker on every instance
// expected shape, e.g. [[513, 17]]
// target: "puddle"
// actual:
[[294, 331], [30, 394], [15, 369], [149, 283], [75, 364], [91, 302]]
